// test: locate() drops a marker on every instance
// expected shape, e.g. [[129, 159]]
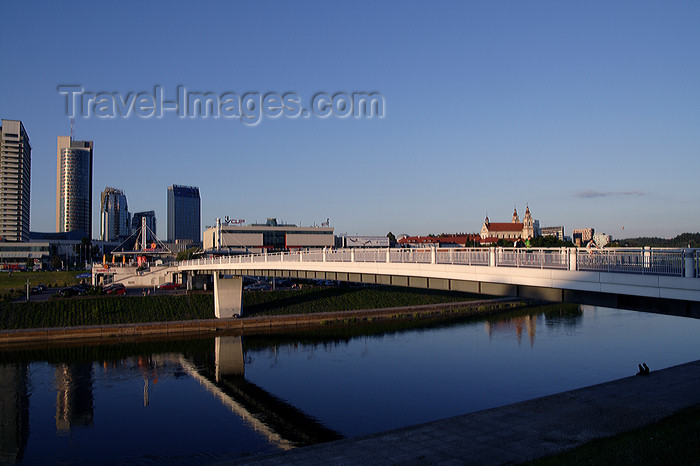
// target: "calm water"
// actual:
[[201, 401]]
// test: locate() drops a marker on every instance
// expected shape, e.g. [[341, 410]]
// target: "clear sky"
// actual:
[[587, 111]]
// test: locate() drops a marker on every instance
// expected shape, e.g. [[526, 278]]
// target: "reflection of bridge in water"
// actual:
[[283, 425]]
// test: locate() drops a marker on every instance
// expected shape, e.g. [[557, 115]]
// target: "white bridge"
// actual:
[[659, 280]]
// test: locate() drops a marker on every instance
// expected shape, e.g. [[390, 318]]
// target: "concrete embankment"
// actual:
[[519, 432], [245, 324]]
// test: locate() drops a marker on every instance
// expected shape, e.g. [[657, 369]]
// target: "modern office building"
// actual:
[[150, 217], [115, 221], [581, 236], [15, 176], [184, 217], [74, 186], [270, 236], [557, 232]]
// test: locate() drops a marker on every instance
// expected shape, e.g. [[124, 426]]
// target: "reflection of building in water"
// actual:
[[74, 405], [14, 412], [518, 324]]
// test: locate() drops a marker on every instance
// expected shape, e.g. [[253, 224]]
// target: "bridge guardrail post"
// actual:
[[265, 255], [573, 255], [492, 257], [689, 263], [432, 255], [388, 255], [324, 254], [352, 255]]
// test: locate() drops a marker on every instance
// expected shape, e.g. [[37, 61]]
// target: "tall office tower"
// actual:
[[74, 186], [115, 222], [183, 213], [150, 217], [15, 175]]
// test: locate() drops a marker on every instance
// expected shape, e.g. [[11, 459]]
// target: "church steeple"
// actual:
[[515, 218]]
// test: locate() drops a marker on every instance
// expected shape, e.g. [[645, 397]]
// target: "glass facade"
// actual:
[[74, 201], [115, 221], [184, 213], [150, 217]]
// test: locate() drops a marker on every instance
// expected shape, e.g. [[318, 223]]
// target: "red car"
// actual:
[[116, 288], [168, 286]]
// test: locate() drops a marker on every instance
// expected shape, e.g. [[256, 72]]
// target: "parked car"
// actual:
[[40, 288], [82, 288], [257, 287], [68, 291], [168, 286], [115, 288]]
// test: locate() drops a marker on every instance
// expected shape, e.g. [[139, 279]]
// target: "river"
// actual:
[[226, 397]]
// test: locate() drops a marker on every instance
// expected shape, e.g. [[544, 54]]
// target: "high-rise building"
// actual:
[[183, 213], [115, 221], [74, 186], [15, 176], [150, 217]]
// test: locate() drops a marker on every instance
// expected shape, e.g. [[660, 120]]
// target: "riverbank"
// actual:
[[258, 323], [117, 310], [537, 428]]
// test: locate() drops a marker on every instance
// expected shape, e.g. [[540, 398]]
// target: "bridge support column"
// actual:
[[228, 294]]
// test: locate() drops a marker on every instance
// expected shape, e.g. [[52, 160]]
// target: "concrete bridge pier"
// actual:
[[228, 294]]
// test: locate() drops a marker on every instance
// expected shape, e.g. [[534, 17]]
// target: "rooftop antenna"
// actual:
[[72, 128]]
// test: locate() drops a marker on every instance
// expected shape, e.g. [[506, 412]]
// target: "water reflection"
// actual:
[[14, 412], [220, 398], [74, 402], [223, 376]]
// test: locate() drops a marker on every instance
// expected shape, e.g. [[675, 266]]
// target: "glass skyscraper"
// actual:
[[115, 221], [150, 217], [74, 186], [184, 213]]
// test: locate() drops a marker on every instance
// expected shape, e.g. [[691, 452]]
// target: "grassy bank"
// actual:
[[343, 298], [14, 284], [105, 311], [671, 441], [122, 310]]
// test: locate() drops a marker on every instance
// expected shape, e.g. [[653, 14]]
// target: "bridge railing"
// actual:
[[415, 256], [671, 262], [475, 256], [645, 261], [338, 255], [533, 258], [370, 255]]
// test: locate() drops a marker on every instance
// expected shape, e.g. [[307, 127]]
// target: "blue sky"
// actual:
[[587, 111]]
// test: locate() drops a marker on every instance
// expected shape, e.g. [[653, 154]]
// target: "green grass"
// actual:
[[19, 279], [342, 298], [671, 441], [121, 310], [15, 284], [105, 310]]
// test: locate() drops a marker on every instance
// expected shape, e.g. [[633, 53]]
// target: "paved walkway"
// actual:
[[518, 432]]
